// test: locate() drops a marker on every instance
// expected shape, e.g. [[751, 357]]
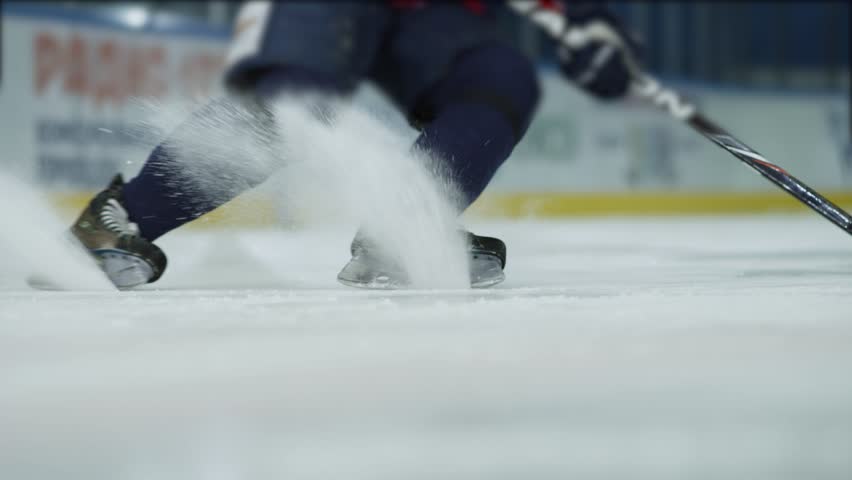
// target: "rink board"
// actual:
[[71, 132], [256, 210]]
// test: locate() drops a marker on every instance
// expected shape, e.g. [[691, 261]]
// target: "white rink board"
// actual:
[[644, 349], [75, 87], [577, 144], [72, 128]]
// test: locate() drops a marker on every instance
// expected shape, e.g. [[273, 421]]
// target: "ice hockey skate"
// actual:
[[104, 229], [370, 268]]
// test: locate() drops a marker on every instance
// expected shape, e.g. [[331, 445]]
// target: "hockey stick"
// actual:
[[648, 88]]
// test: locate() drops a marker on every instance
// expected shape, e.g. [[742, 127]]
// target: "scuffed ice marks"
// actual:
[[333, 163]]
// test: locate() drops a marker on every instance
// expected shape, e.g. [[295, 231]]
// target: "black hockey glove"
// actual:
[[597, 52]]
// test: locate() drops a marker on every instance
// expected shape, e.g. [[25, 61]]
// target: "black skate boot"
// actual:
[[368, 268], [113, 240]]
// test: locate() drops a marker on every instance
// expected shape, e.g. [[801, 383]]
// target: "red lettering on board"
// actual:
[[76, 69], [48, 61], [104, 70]]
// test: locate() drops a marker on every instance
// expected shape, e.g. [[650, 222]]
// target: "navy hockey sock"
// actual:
[[476, 115], [472, 141], [164, 196]]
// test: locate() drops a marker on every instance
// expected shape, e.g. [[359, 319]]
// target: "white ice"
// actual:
[[617, 348]]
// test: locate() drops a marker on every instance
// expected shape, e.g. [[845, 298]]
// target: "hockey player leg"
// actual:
[[472, 119], [119, 224], [285, 47]]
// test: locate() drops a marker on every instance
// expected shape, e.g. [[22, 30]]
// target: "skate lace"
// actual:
[[115, 219]]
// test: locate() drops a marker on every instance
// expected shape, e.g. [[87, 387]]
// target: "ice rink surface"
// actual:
[[617, 348]]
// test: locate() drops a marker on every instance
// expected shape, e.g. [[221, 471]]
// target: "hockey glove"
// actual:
[[597, 52]]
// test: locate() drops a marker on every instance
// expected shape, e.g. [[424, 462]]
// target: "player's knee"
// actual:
[[502, 78]]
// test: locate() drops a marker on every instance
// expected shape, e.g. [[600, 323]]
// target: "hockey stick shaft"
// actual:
[[648, 88]]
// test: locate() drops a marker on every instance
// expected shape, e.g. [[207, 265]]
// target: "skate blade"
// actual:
[[125, 270], [485, 271], [378, 284], [359, 274]]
